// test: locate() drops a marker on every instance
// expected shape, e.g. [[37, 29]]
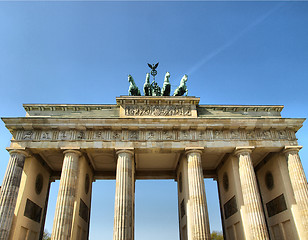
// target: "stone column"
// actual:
[[198, 223], [298, 182], [62, 225], [9, 191], [124, 196], [256, 225]]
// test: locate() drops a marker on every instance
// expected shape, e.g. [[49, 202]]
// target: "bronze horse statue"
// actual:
[[133, 89]]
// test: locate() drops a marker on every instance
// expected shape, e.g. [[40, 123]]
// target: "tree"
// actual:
[[46, 235], [217, 236]]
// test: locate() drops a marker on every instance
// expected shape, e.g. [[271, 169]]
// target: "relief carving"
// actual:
[[27, 135], [282, 134], [250, 135], [46, 135], [150, 135], [185, 135], [167, 135], [134, 135], [157, 110], [201, 135], [218, 134], [63, 135], [157, 135], [98, 135], [267, 134], [116, 135], [80, 135], [235, 134]]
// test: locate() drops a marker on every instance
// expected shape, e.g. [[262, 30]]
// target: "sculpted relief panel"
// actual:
[[153, 135], [157, 110]]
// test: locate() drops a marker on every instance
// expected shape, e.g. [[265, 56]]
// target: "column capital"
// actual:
[[243, 150], [124, 150], [288, 149], [19, 151], [76, 151], [189, 150]]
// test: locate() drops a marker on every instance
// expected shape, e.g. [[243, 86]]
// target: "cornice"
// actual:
[[28, 123], [91, 107], [244, 108], [159, 100], [67, 107]]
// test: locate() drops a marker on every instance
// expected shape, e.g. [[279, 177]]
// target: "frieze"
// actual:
[[157, 110], [153, 135]]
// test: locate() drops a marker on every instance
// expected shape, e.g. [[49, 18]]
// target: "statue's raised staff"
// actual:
[[182, 89], [167, 86], [133, 89], [147, 88]]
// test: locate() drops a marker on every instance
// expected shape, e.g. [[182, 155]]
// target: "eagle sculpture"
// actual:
[[153, 66]]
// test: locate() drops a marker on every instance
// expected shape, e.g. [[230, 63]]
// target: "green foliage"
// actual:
[[46, 235], [216, 236]]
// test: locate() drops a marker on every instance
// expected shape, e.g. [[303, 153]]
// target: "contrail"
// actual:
[[234, 39]]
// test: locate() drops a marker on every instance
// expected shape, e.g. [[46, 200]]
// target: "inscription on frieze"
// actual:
[[154, 135], [230, 207], [33, 211], [277, 205], [157, 110]]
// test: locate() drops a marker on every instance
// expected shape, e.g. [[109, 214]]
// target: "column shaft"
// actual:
[[124, 197], [9, 191], [253, 208], [298, 182], [62, 225], [198, 223]]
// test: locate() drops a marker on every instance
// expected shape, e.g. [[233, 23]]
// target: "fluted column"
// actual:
[[124, 196], [252, 202], [62, 225], [198, 224], [298, 182], [9, 191]]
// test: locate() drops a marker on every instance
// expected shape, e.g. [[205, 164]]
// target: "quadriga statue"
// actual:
[[182, 89], [167, 86], [147, 88], [133, 89]]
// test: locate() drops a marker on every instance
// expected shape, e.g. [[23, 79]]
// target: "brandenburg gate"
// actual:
[[251, 151]]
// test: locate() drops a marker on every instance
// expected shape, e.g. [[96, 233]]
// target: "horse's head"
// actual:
[[130, 79], [147, 78], [167, 76], [184, 79]]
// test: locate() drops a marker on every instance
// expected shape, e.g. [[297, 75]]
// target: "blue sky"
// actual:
[[82, 52]]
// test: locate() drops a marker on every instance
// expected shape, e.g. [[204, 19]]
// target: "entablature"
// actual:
[[146, 123], [152, 107], [149, 130]]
